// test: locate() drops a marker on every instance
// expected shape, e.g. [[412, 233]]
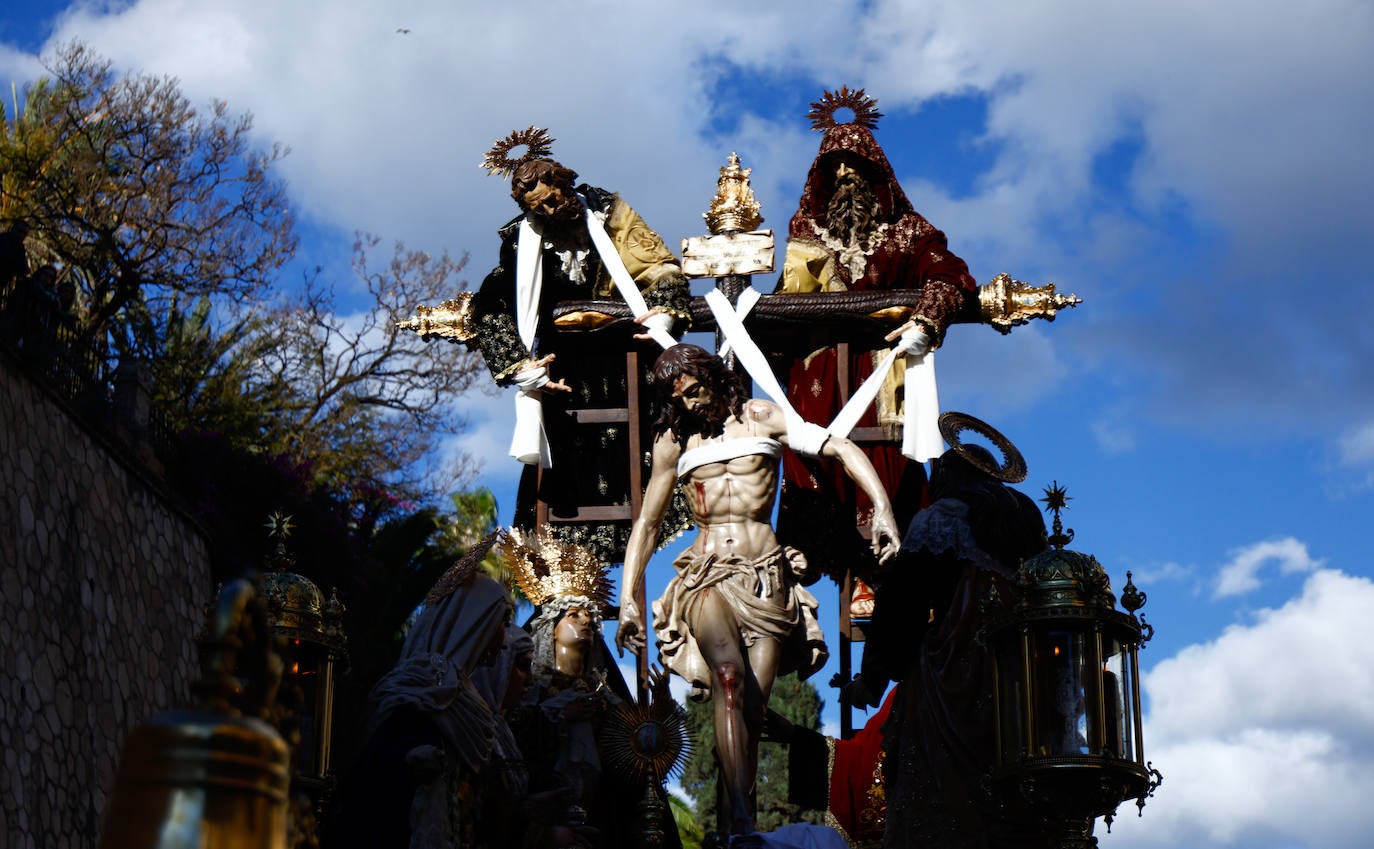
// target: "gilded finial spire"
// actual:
[[1057, 500], [279, 527], [734, 208]]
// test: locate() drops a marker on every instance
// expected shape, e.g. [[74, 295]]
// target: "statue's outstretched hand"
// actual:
[[912, 338], [536, 376], [886, 540], [630, 634], [653, 320], [658, 684]]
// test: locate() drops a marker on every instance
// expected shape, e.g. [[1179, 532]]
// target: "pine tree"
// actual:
[[798, 702]]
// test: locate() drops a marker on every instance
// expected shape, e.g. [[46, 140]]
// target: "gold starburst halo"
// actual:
[[538, 144], [646, 741], [1056, 501], [822, 114], [546, 568]]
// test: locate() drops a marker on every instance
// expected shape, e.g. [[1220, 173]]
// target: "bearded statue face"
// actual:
[[852, 214], [544, 190], [700, 404]]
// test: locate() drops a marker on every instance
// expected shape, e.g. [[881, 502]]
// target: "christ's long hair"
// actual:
[[706, 367]]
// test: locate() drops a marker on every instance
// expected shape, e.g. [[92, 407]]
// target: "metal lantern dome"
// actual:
[[1069, 745]]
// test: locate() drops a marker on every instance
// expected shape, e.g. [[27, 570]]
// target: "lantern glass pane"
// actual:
[[1013, 726], [1060, 709], [302, 662], [1119, 700]]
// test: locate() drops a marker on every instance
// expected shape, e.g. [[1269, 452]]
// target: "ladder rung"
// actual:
[[610, 513], [607, 415]]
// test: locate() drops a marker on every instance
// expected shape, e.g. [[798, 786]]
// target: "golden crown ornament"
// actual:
[[547, 568]]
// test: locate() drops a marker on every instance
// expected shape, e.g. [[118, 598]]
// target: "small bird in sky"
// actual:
[[402, 30]]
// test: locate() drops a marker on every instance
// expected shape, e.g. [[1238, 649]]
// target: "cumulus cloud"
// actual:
[[1229, 136], [1357, 445], [1265, 735], [1112, 436], [1240, 574], [1163, 572]]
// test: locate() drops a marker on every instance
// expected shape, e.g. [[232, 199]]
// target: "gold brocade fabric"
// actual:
[[643, 251]]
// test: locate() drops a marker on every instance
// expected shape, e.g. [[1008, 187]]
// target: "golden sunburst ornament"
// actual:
[[646, 742], [537, 141], [278, 525], [822, 112]]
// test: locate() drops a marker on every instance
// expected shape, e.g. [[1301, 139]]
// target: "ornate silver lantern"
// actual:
[[312, 644], [1069, 744]]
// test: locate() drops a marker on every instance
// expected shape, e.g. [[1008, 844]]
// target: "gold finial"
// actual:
[[1006, 303], [1057, 500], [279, 528], [734, 208], [546, 568], [536, 140], [822, 112]]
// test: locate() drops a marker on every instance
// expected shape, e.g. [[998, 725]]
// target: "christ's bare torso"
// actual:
[[733, 500]]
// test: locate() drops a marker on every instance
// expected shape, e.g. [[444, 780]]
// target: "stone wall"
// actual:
[[102, 579]]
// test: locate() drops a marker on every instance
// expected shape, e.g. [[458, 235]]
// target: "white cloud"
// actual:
[[1112, 436], [1357, 445], [1240, 574], [15, 67], [995, 375], [1163, 572], [1265, 735], [1225, 105]]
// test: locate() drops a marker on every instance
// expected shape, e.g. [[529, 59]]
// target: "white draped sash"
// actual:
[[529, 442], [921, 438]]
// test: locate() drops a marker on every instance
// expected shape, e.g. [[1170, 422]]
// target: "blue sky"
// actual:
[[1198, 173]]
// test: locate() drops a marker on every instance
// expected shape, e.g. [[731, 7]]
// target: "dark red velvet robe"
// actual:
[[820, 509]]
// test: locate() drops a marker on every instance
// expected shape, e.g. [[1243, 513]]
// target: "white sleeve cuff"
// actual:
[[531, 378], [806, 437]]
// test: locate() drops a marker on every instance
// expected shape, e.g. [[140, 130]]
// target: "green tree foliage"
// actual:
[[688, 827], [138, 196], [798, 702], [175, 231]]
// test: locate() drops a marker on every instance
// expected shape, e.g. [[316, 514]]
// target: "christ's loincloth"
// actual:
[[767, 603]]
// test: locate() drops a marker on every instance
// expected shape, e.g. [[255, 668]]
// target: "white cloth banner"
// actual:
[[802, 436], [624, 284], [921, 438], [529, 444], [743, 305]]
